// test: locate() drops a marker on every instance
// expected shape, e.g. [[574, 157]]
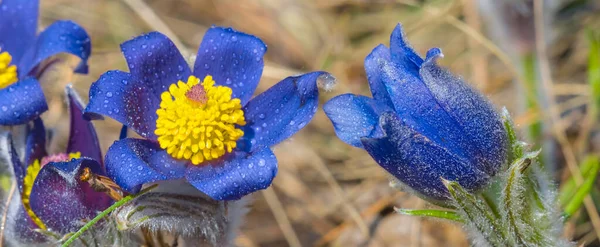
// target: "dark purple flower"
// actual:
[[51, 196], [22, 50], [423, 123], [201, 126]]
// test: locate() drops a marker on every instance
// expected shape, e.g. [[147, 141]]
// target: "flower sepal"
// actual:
[[517, 208]]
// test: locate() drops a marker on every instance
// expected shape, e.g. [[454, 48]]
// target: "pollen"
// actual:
[[197, 121], [8, 72], [32, 172]]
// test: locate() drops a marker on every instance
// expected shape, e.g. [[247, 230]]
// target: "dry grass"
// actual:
[[326, 193]]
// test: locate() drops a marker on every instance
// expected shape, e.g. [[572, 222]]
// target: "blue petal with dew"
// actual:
[[402, 54], [129, 101], [154, 63], [478, 120], [18, 26], [61, 200], [14, 109], [419, 162], [281, 111], [234, 59], [417, 107], [133, 162], [372, 68], [354, 117], [59, 37], [235, 175]]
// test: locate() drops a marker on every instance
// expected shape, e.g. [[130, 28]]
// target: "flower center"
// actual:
[[8, 73], [197, 120], [32, 172]]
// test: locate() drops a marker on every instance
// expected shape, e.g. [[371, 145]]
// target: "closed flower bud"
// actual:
[[423, 124]]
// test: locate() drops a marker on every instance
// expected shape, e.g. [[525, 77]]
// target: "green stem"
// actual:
[[508, 193], [104, 214], [440, 214]]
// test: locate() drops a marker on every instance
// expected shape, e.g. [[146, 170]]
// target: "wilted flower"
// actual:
[[21, 51], [51, 197], [423, 123], [201, 126]]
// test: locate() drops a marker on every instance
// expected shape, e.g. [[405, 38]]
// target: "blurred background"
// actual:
[[328, 193]]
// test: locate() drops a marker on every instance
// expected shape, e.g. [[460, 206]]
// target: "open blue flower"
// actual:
[[22, 52], [202, 126], [51, 195], [423, 123]]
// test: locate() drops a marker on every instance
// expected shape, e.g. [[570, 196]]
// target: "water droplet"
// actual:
[[261, 116], [234, 38], [251, 165], [326, 81], [206, 66], [261, 162], [4, 108], [109, 94]]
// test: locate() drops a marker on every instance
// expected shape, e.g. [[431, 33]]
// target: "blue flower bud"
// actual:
[[423, 123]]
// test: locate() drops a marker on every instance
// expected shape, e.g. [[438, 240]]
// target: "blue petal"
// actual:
[[372, 68], [234, 176], [20, 229], [18, 26], [420, 163], [61, 200], [155, 62], [14, 109], [35, 143], [402, 54], [134, 162], [354, 117], [13, 159], [481, 125], [281, 111], [128, 101], [132, 99], [60, 37], [82, 135], [419, 109], [233, 59]]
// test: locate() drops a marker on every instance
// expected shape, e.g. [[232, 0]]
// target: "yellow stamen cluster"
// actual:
[[31, 174], [8, 73], [197, 121]]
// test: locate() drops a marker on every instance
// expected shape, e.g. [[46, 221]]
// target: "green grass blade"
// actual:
[[577, 200]]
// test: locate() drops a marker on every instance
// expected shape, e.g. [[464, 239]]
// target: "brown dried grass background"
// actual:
[[326, 193]]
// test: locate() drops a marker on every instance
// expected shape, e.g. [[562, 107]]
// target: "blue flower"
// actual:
[[21, 53], [204, 126], [423, 123], [51, 195]]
